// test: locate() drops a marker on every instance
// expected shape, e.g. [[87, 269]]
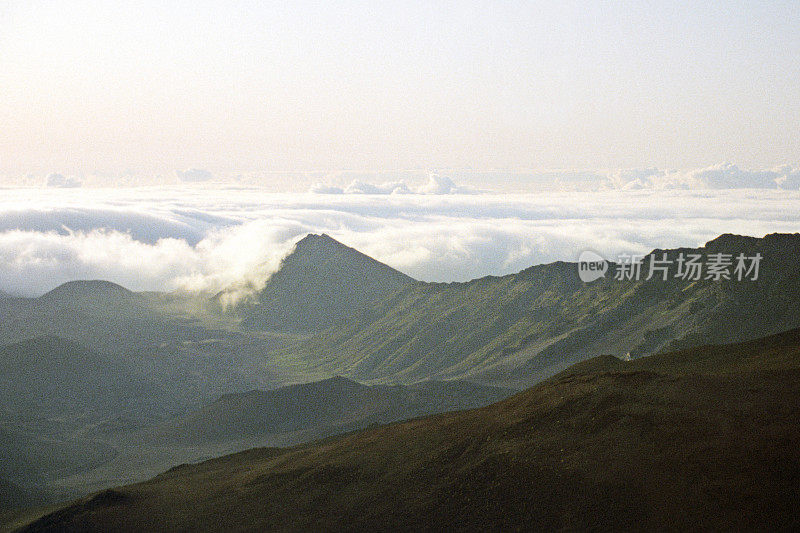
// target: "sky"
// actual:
[[107, 90], [188, 145]]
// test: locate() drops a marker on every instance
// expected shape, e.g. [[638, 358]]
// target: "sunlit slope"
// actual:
[[771, 353], [520, 328], [707, 438]]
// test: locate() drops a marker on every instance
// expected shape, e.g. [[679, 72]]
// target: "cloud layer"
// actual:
[[194, 175], [442, 181], [179, 238], [722, 176], [62, 182], [436, 184]]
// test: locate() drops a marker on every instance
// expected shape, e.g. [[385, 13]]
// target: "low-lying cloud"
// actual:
[[62, 182], [194, 175], [716, 177], [209, 239], [723, 176], [436, 184]]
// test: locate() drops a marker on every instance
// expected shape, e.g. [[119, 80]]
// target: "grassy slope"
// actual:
[[520, 328], [707, 438], [12, 495]]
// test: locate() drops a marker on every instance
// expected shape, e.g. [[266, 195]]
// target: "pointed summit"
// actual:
[[323, 243], [321, 239], [321, 282]]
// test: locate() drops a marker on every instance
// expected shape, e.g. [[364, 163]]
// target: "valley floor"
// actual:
[[707, 438]]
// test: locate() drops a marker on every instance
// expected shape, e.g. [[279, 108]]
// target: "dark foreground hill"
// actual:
[[12, 495], [700, 439]]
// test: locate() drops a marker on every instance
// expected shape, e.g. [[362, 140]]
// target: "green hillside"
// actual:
[[521, 328], [12, 495]]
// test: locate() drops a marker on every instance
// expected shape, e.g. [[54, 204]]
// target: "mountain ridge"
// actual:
[[523, 327]]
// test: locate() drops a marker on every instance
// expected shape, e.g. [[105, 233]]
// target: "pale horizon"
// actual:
[[111, 90]]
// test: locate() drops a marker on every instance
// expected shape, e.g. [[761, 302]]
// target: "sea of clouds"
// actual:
[[206, 236]]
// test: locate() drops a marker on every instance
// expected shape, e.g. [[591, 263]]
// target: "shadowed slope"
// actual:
[[50, 375], [663, 448], [319, 408]]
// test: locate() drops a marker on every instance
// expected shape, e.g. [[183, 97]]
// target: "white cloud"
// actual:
[[143, 225], [436, 184], [211, 238], [722, 176], [194, 175], [322, 188], [716, 177], [34, 262], [454, 181], [62, 182], [442, 185], [362, 187]]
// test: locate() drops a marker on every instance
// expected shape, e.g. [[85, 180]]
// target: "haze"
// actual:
[[113, 89]]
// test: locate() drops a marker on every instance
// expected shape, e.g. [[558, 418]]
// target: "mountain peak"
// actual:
[[321, 282], [732, 240], [86, 288], [321, 238], [321, 242], [326, 256]]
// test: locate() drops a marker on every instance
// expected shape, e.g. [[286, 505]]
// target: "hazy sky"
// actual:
[[151, 87]]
